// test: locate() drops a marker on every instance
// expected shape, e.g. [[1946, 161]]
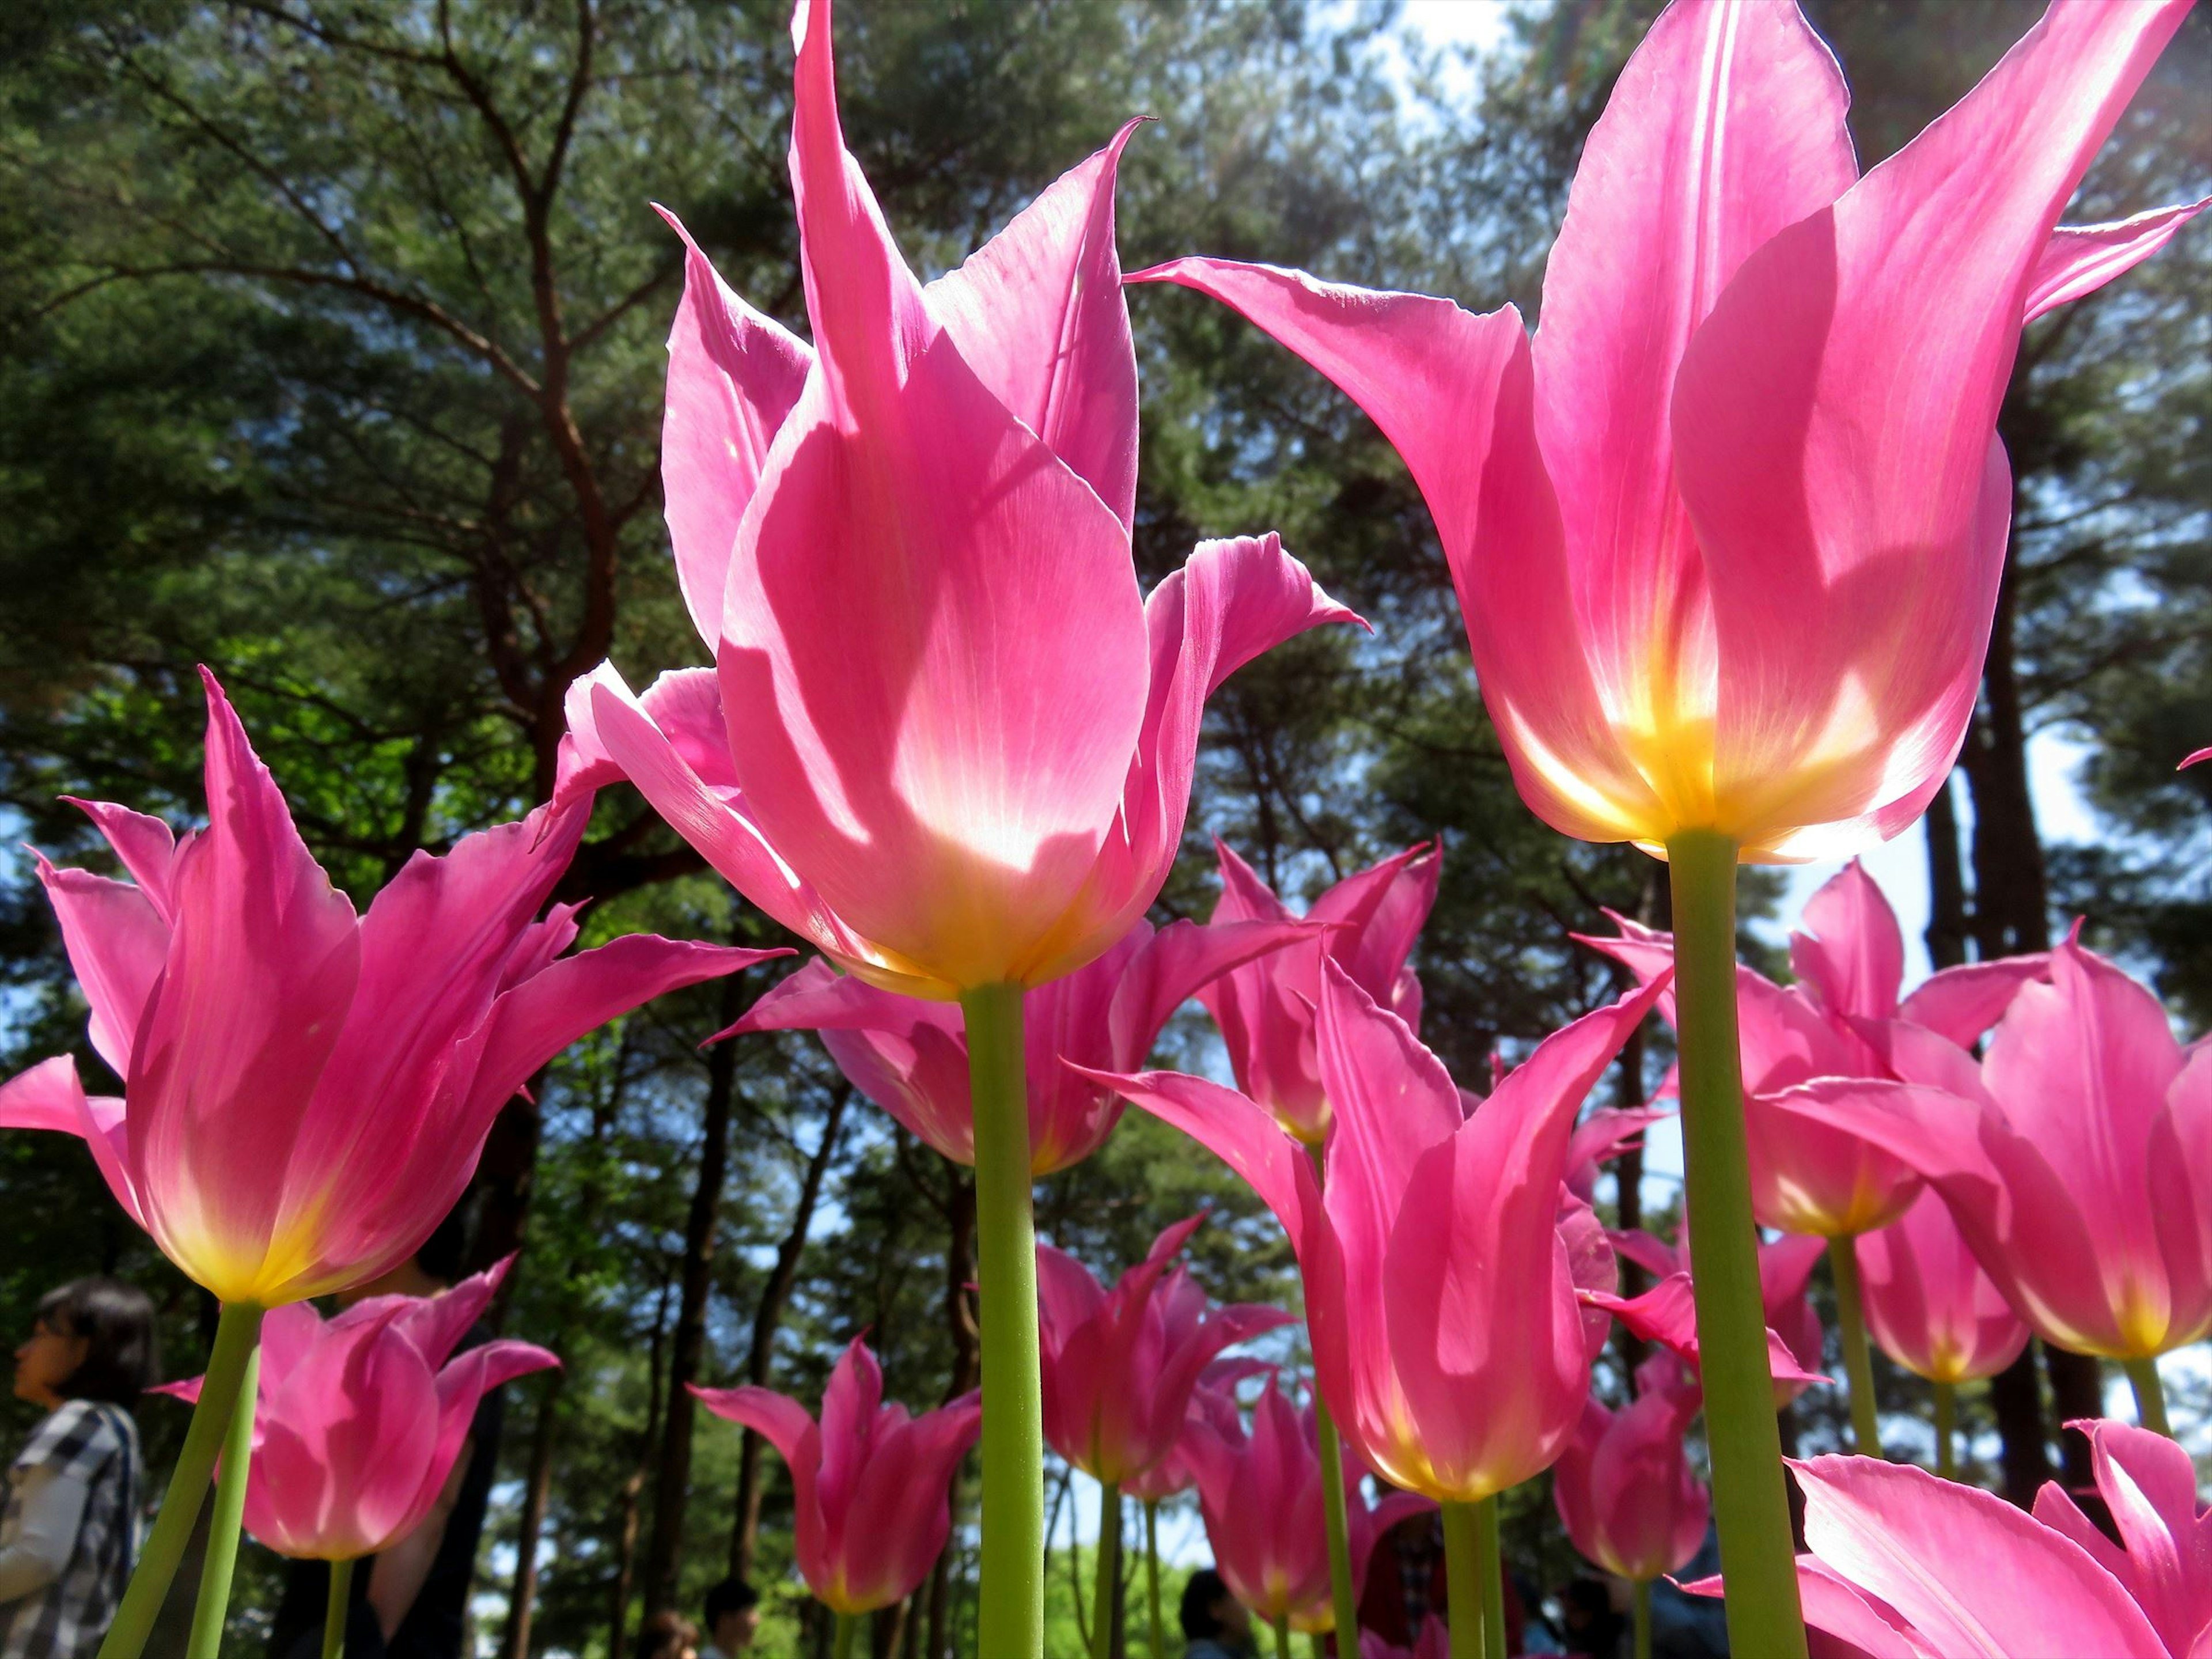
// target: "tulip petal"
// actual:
[[1849, 946], [1174, 964], [49, 1096], [536, 1019], [1726, 125], [1486, 1336], [147, 846], [435, 1324], [117, 944], [2079, 259], [1454, 394], [948, 788], [1962, 1003], [1037, 313], [908, 1056], [673, 745], [733, 375], [261, 969], [1833, 422], [2150, 1485], [1231, 601], [1833, 1607], [1969, 1573], [1239, 1133]]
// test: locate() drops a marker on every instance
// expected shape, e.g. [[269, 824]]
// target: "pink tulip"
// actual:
[[1903, 1565], [359, 1418], [960, 745], [1602, 1136], [870, 1484], [1440, 1293], [1929, 1304], [1727, 541], [1262, 1498], [306, 1092], [2077, 1159], [1119, 1365], [1173, 1473], [910, 1056], [1433, 1642], [1785, 1268], [1623, 1488], [2195, 756], [1265, 1009], [1838, 1020], [1667, 1314]]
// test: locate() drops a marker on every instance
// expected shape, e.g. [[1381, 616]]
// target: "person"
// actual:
[[69, 1531], [668, 1635], [410, 1601], [733, 1611], [1595, 1626], [1406, 1585], [1215, 1624]]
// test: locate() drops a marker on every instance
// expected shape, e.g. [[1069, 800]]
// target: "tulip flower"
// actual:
[[1837, 1021], [1265, 1009], [1843, 1018], [306, 1090], [1261, 1494], [966, 748], [1119, 1365], [359, 1418], [2074, 1160], [1902, 1565], [1440, 1294], [1727, 539], [1727, 542], [1624, 1490], [1667, 1314], [870, 1486], [1434, 1643], [1118, 1369], [1933, 1311], [1173, 1473], [945, 739], [910, 1056]]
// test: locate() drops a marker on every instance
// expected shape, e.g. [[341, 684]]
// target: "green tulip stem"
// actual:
[[334, 1614], [214, 1603], [1858, 1359], [2150, 1395], [1463, 1588], [1947, 1450], [1109, 1571], [840, 1641], [1011, 1586], [237, 1341], [1642, 1592], [1282, 1635], [1749, 1500], [1152, 1575], [1343, 1594]]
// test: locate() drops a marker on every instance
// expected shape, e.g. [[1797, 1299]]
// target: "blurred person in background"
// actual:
[[732, 1610], [1215, 1624], [69, 1531]]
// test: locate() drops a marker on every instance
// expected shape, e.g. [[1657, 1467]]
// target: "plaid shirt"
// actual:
[[98, 1445]]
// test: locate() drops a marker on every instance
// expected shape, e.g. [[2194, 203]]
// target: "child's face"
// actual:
[[45, 1365]]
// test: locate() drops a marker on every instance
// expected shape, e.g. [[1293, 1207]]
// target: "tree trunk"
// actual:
[[967, 1362], [2012, 914], [673, 1486], [632, 1489], [522, 1598], [768, 1316]]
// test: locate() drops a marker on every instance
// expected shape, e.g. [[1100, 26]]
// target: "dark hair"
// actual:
[[445, 1255], [122, 1353], [731, 1595], [1199, 1596], [667, 1633]]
